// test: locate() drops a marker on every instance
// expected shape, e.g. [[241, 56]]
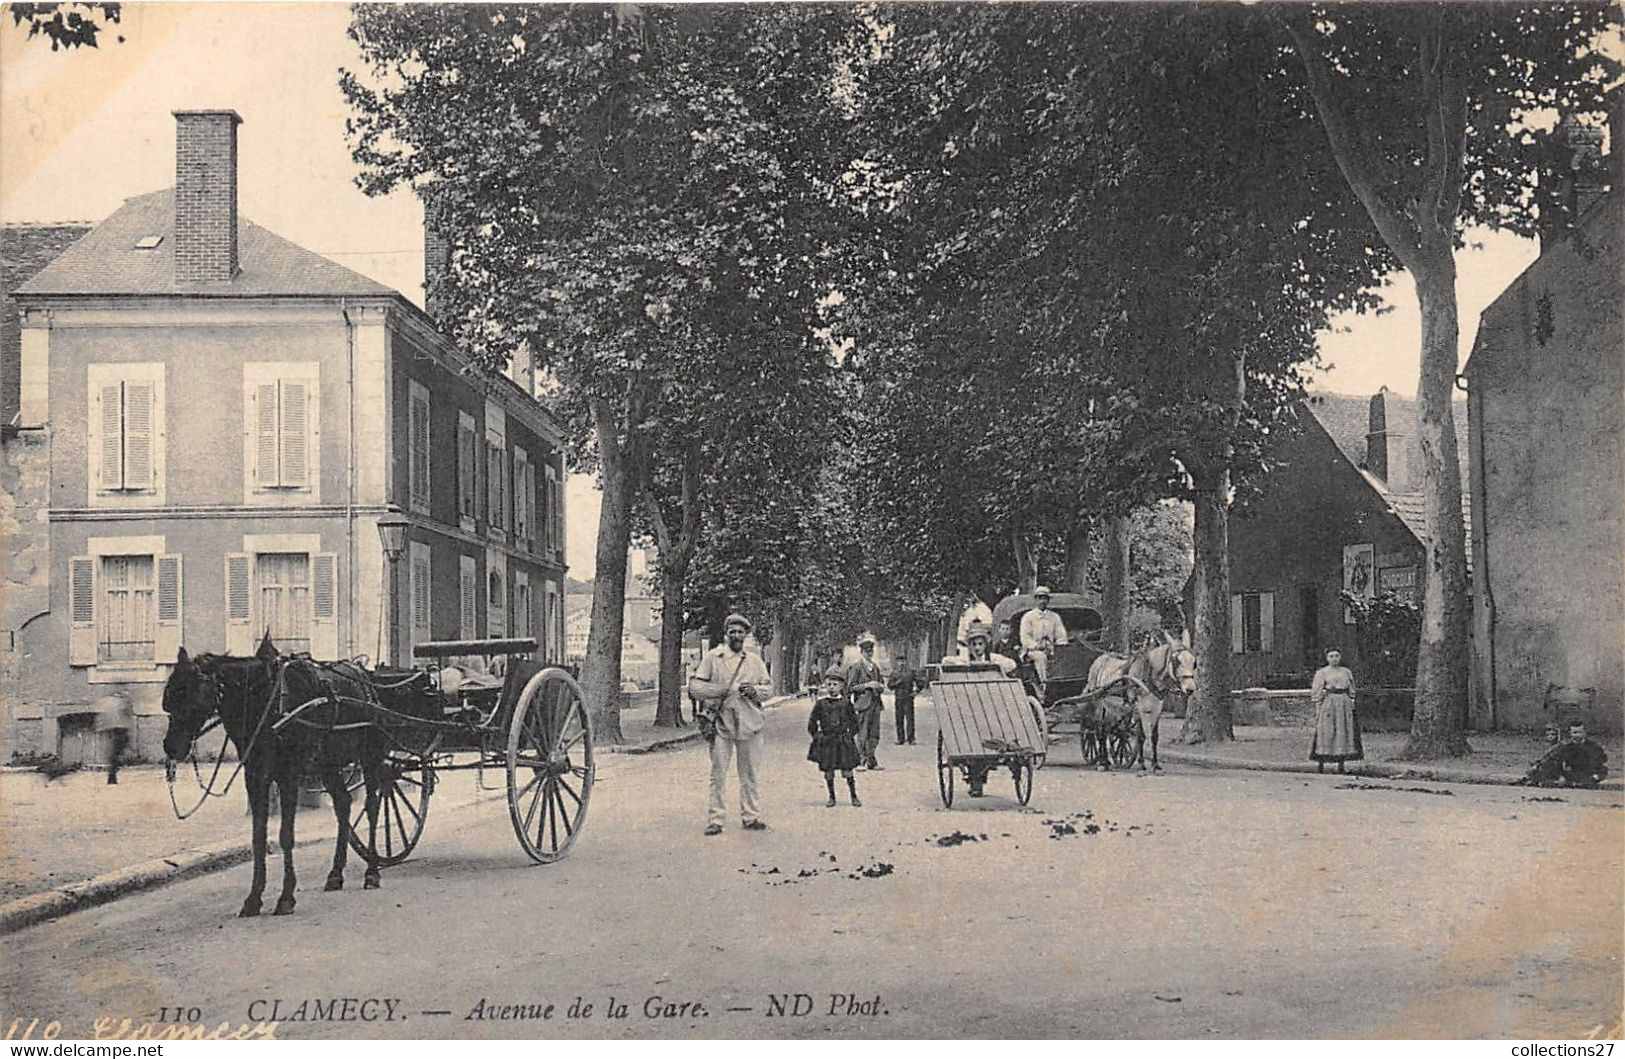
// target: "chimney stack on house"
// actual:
[[1386, 451], [206, 195], [436, 263]]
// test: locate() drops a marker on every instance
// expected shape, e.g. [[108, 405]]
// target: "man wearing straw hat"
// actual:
[[730, 684]]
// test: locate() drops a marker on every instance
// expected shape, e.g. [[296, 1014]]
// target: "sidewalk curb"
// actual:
[[1366, 769]]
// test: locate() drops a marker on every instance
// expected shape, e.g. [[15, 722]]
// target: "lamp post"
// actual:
[[392, 526]]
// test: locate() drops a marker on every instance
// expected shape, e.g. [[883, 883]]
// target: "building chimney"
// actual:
[[206, 195], [1386, 455], [436, 263]]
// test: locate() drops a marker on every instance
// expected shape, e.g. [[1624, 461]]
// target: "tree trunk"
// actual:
[[1115, 606], [673, 681], [1438, 727], [601, 669], [1076, 576], [1026, 563], [1207, 715]]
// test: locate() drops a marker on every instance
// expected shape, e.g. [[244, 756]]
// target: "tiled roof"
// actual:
[[24, 250], [1347, 419], [106, 261]]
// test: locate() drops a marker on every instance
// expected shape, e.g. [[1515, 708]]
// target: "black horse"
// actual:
[[287, 718]]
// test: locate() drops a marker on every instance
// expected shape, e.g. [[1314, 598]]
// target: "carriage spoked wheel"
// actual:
[[550, 765], [403, 804], [1023, 772], [1091, 745], [1122, 749], [945, 775]]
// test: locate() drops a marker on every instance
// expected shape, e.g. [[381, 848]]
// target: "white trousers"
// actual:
[[1040, 659], [749, 750]]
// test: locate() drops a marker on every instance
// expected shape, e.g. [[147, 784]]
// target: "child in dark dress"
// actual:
[[833, 725]]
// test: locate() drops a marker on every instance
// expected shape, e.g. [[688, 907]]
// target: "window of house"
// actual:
[[496, 596], [124, 603], [496, 511], [467, 597], [282, 457], [468, 473], [523, 518], [522, 623], [126, 428], [286, 586], [1252, 622], [283, 580], [419, 442]]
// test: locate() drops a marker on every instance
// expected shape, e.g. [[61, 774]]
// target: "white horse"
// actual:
[[1146, 678]]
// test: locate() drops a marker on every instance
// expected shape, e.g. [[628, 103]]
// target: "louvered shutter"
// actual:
[[1266, 622], [558, 518], [530, 502], [138, 434], [419, 467], [422, 570], [265, 433], [324, 606], [239, 612], [167, 637], [466, 474], [1237, 632], [295, 451], [467, 589], [111, 463], [82, 610]]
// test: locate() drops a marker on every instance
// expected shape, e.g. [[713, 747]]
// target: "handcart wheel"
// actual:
[[407, 781], [1122, 749], [550, 765], [1023, 771], [945, 775]]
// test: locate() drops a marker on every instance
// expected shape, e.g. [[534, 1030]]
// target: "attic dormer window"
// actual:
[[148, 242]]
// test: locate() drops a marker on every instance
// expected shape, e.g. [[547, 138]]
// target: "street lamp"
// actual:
[[392, 527]]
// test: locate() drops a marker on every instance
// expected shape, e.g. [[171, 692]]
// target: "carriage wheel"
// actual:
[[403, 805], [1122, 748], [945, 775], [1091, 745], [550, 765], [1023, 771]]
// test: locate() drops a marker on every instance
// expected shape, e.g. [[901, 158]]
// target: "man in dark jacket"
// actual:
[[864, 684], [905, 681], [1581, 762]]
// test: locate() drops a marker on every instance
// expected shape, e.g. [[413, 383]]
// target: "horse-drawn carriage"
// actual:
[[1113, 702], [387, 734]]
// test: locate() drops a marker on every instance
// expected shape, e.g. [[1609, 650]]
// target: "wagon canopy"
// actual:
[[1077, 612]]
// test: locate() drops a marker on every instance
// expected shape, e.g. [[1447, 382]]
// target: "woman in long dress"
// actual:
[[1337, 729]]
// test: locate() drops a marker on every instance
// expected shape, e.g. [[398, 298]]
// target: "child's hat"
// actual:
[[835, 673]]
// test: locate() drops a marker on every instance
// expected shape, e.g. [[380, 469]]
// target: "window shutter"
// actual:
[[419, 468], [422, 571], [82, 610], [239, 613], [1237, 631], [265, 432], [1266, 622], [530, 502], [468, 584], [324, 606], [558, 518], [295, 451], [167, 637], [138, 432], [112, 455]]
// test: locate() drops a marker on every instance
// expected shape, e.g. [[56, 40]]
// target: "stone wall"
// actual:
[[25, 568]]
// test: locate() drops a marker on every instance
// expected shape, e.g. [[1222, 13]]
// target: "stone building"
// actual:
[[1548, 482]]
